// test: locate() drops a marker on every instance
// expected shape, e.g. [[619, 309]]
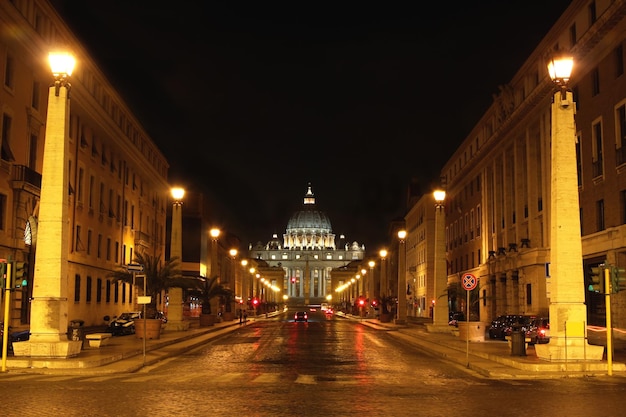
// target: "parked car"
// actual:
[[519, 323], [455, 317], [539, 330], [14, 336], [500, 324], [124, 324]]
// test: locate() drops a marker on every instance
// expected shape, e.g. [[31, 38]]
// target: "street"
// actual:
[[323, 367]]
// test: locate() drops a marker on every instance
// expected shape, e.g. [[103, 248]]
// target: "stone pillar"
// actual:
[[49, 305], [568, 313]]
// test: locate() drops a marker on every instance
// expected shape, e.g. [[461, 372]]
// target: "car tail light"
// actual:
[[542, 332]]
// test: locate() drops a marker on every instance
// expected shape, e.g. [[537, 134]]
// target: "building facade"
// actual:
[[498, 181], [118, 196]]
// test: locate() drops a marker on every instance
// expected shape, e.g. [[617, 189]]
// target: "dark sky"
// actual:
[[251, 101]]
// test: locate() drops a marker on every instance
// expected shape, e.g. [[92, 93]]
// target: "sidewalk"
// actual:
[[490, 358], [493, 358]]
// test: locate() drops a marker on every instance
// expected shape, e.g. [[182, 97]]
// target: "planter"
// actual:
[[476, 330], [207, 320], [152, 328]]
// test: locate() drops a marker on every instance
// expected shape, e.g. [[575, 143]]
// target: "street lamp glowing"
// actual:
[[177, 194], [215, 233], [62, 64], [371, 264], [244, 262], [440, 196], [383, 253], [233, 252], [560, 69], [401, 235]]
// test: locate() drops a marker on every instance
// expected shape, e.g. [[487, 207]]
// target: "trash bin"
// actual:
[[76, 331], [518, 343]]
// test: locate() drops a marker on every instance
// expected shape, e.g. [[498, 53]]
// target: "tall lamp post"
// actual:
[[568, 313], [440, 270], [175, 304], [49, 305], [236, 276], [370, 289], [384, 290], [401, 313], [213, 272]]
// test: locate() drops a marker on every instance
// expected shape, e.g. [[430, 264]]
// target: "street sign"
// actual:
[[134, 268], [469, 281]]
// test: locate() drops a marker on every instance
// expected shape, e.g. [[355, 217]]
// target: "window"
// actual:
[[34, 101], [622, 199], [89, 239], [108, 291], [99, 290], [80, 185], [78, 240], [600, 215], [76, 288], [619, 61], [3, 210], [108, 249], [6, 153], [99, 249], [92, 182], [88, 290], [117, 292], [9, 72], [32, 151], [529, 294], [572, 34], [595, 82], [620, 139], [597, 157], [593, 15]]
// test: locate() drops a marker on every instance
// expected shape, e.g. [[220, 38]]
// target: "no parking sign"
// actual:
[[469, 281]]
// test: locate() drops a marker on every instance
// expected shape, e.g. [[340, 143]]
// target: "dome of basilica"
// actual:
[[309, 227]]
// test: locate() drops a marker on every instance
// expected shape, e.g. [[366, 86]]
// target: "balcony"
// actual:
[[26, 178]]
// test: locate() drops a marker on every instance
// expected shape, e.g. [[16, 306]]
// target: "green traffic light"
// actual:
[[597, 279]]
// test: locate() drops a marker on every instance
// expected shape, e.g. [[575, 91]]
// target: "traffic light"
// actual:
[[255, 302], [596, 279], [361, 302], [618, 279], [20, 274]]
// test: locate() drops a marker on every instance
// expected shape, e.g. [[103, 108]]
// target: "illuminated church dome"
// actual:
[[309, 228]]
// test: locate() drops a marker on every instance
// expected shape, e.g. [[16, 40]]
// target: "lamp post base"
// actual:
[[439, 328], [574, 350], [177, 325], [57, 349]]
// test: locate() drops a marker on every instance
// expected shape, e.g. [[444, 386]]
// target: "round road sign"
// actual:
[[469, 282]]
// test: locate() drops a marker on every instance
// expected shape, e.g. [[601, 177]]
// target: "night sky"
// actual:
[[251, 101]]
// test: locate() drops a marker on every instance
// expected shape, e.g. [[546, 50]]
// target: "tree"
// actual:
[[210, 289], [159, 277]]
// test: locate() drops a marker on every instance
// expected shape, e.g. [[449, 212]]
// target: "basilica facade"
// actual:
[[308, 253]]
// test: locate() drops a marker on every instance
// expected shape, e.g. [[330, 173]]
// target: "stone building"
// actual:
[[118, 196], [307, 253], [498, 180]]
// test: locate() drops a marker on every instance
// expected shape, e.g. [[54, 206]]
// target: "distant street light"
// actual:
[[401, 313]]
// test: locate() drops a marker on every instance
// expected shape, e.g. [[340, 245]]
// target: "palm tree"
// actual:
[[211, 288], [159, 277]]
